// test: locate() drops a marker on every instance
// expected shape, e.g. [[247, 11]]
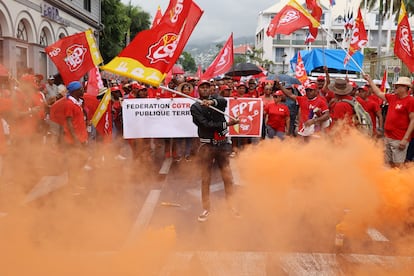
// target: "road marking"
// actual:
[[45, 186], [166, 165], [376, 235], [262, 263], [144, 216]]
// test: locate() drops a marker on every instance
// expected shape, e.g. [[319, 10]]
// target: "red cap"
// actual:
[[278, 93], [224, 87], [353, 84], [30, 79], [115, 88], [241, 84], [204, 82], [311, 85], [321, 78], [365, 88]]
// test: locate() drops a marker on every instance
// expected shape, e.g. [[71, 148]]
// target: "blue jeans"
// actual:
[[271, 133]]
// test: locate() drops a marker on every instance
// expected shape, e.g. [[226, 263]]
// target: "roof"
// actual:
[[242, 49]]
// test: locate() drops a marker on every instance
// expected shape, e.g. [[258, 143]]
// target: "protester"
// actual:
[[341, 110], [399, 123], [277, 117], [314, 112], [372, 108], [212, 130]]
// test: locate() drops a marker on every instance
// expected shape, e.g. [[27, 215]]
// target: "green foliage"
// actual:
[[240, 59], [188, 62], [385, 6], [117, 19]]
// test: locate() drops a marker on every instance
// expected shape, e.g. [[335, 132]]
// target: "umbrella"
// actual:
[[244, 69], [177, 70], [284, 78]]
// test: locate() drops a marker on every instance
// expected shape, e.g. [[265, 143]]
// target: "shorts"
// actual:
[[393, 155]]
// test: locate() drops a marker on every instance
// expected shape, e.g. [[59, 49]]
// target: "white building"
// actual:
[[28, 26], [282, 48]]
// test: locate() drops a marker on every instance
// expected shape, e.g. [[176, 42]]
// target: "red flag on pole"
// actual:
[[222, 63], [316, 12], [403, 47], [94, 81], [291, 18], [153, 52], [74, 55], [300, 71], [384, 81], [157, 17], [359, 37], [199, 72]]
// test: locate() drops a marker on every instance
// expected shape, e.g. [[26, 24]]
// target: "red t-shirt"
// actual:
[[307, 107], [372, 108], [276, 115], [342, 110], [78, 121], [90, 105], [328, 95], [397, 120], [57, 111]]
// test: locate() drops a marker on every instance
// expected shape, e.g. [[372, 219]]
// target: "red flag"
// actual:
[[94, 81], [153, 52], [403, 47], [359, 37], [102, 119], [316, 12], [199, 72], [74, 55], [157, 17], [384, 81], [222, 63], [291, 18], [300, 71]]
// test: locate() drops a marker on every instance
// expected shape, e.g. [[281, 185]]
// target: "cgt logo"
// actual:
[[405, 40], [163, 49], [176, 11], [75, 55], [289, 17]]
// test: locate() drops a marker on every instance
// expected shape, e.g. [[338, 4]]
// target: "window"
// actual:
[[21, 59], [279, 54], [338, 20], [87, 5], [377, 19], [62, 35], [322, 19], [43, 38], [21, 31]]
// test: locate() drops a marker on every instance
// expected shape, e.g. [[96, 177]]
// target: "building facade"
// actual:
[[28, 26], [282, 48]]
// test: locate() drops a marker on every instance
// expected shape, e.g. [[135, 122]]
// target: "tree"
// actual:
[[119, 20], [188, 62], [385, 6]]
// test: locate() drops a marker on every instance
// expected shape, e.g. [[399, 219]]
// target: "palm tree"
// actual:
[[385, 6]]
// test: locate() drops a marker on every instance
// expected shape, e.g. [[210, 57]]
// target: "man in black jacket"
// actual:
[[212, 130]]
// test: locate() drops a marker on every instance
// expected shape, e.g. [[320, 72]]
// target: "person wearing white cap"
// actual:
[[51, 89], [399, 122]]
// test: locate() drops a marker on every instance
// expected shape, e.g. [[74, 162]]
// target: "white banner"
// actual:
[[158, 118], [171, 118]]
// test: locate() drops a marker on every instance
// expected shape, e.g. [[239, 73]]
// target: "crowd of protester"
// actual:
[[34, 110]]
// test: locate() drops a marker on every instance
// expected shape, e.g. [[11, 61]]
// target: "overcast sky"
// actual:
[[221, 17]]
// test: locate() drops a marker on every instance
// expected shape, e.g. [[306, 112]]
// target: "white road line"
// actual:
[[144, 216], [376, 235], [45, 186], [166, 165]]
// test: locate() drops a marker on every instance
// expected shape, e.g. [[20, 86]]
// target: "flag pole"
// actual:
[[196, 100], [342, 47]]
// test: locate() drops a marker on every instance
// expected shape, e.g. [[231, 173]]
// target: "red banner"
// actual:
[[250, 112], [359, 37], [300, 71], [291, 18], [223, 61], [157, 17], [316, 11], [403, 47], [74, 55], [153, 52], [94, 81]]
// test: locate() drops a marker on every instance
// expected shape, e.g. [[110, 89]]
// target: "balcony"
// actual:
[[281, 42]]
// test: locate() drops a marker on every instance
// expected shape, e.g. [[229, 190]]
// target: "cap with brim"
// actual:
[[363, 88], [278, 93], [181, 86], [224, 87], [51, 77], [73, 86], [404, 81], [102, 91], [340, 87], [204, 82], [311, 86]]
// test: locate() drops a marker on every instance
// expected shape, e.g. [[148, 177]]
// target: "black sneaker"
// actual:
[[187, 158], [203, 216]]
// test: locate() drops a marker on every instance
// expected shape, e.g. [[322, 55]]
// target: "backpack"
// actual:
[[361, 118]]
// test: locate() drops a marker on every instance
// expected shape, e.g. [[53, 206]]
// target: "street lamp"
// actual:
[[283, 62]]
